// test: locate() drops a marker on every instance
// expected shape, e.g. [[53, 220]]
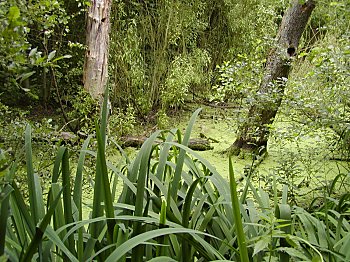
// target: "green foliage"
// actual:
[[163, 51], [174, 206], [122, 122], [185, 72], [31, 40], [13, 42], [318, 98], [238, 79], [85, 110]]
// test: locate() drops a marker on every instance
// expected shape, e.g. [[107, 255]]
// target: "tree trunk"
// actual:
[[254, 132], [97, 41]]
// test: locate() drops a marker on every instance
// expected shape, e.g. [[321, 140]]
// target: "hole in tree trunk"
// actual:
[[291, 51]]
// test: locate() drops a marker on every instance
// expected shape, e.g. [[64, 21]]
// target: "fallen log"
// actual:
[[132, 141], [199, 144], [194, 144]]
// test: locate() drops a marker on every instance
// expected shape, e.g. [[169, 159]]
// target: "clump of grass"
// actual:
[[174, 207]]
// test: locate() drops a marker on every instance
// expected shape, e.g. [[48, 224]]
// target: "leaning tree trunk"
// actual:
[[97, 41], [254, 132]]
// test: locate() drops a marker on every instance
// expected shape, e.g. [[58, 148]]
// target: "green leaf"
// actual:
[[26, 76], [4, 212], [14, 13], [53, 236], [139, 239], [316, 259], [237, 215], [34, 188], [61, 57], [51, 55], [260, 245], [33, 52], [67, 199], [162, 259], [179, 163], [294, 253], [40, 230]]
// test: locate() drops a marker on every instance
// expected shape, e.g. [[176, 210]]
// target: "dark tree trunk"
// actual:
[[254, 132]]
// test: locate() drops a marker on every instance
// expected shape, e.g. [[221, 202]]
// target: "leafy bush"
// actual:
[[85, 110], [185, 73], [122, 122], [317, 95]]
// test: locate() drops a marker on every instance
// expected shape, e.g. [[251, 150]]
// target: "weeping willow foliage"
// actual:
[[164, 51]]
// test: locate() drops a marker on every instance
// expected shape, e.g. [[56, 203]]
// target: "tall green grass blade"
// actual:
[[308, 227], [97, 209], [127, 159], [170, 214], [283, 213], [162, 259], [161, 249], [4, 213], [145, 152], [331, 187], [104, 114], [285, 194], [345, 247], [89, 248], [58, 219], [67, 198], [142, 173], [221, 185], [35, 194], [198, 212], [181, 157], [237, 215], [186, 217], [164, 154], [55, 239], [78, 193], [319, 256], [108, 202], [246, 188], [34, 244], [56, 168], [144, 237], [188, 201], [78, 183], [22, 222], [122, 236]]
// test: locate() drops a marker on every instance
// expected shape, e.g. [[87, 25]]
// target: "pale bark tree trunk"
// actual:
[[97, 41], [254, 132]]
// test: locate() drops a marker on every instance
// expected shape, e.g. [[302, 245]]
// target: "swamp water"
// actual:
[[300, 161]]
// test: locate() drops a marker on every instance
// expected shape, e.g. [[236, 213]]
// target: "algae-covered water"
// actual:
[[299, 159], [296, 156]]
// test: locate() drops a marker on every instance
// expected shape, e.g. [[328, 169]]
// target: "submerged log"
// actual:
[[199, 144], [194, 144], [132, 141]]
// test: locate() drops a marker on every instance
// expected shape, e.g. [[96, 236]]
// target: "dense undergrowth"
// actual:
[[174, 206]]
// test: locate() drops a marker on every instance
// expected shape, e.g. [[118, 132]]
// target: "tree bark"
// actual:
[[97, 41], [254, 132]]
